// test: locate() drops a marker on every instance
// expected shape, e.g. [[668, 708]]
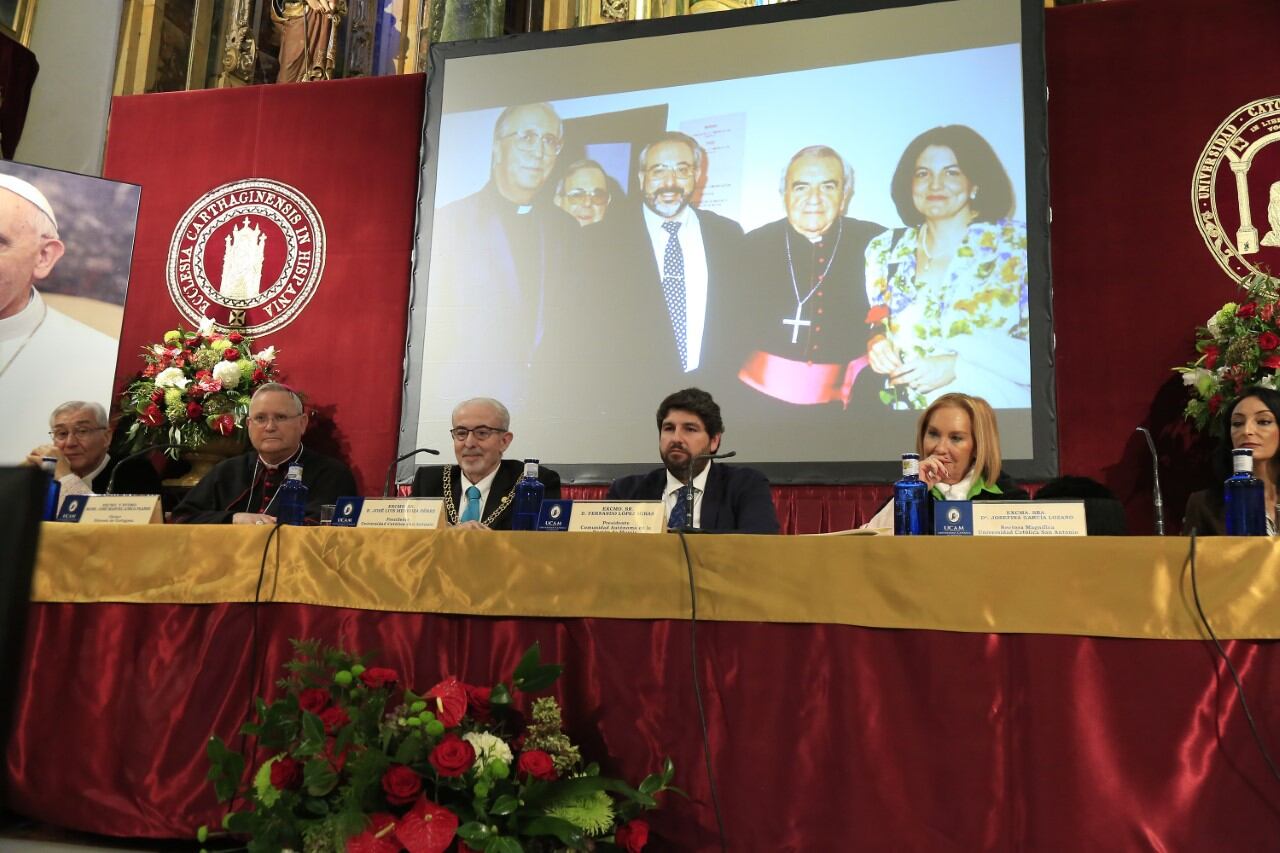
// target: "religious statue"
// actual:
[[308, 33], [1272, 237]]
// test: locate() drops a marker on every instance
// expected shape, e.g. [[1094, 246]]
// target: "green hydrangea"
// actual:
[[176, 412], [220, 345], [246, 368], [206, 358], [172, 396]]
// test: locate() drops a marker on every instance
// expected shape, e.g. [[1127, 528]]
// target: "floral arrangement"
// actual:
[[1238, 346], [195, 385], [360, 763]]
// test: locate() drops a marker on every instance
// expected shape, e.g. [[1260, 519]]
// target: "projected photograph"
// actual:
[[826, 250]]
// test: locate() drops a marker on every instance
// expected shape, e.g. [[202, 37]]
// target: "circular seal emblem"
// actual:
[[248, 255], [1236, 190], [555, 511], [953, 515]]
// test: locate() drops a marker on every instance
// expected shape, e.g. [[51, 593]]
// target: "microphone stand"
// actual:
[[688, 487], [1158, 498], [391, 469], [111, 481]]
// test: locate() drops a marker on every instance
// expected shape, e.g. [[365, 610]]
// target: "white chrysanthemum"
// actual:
[[172, 377], [487, 747], [228, 373], [206, 326], [266, 356]]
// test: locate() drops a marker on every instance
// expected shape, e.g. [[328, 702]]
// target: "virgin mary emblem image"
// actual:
[[1236, 190], [248, 254]]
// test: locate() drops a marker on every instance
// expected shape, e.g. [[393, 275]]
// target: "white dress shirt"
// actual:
[[485, 486], [674, 492], [695, 273]]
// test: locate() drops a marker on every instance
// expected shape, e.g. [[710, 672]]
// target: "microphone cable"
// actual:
[[697, 689], [1244, 704]]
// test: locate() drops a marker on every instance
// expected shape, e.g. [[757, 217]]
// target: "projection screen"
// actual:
[[861, 208]]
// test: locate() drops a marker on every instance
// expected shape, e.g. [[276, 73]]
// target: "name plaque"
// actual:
[[1009, 518], [601, 516], [418, 513], [111, 509]]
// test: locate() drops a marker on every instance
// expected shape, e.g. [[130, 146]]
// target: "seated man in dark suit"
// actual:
[[243, 489], [480, 490], [726, 498], [81, 437]]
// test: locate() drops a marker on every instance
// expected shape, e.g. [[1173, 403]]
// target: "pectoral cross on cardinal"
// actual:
[[796, 323]]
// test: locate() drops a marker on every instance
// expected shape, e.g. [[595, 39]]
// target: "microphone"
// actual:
[[688, 484], [391, 469], [111, 481], [1157, 498]]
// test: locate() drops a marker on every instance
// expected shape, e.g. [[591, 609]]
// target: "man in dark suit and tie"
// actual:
[[479, 492], [726, 498], [693, 254]]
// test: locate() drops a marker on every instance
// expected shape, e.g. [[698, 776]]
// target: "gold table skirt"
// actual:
[[1107, 587]]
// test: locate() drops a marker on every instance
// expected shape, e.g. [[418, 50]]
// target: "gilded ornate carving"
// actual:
[[240, 52], [615, 10], [360, 31]]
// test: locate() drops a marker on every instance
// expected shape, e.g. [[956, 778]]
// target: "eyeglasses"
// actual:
[[263, 420], [531, 140], [662, 171], [588, 196], [482, 433], [81, 433]]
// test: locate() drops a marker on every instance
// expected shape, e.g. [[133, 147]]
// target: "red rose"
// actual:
[[336, 760], [451, 701], [1268, 341], [231, 354], [286, 774], [313, 699], [1271, 361], [1247, 310], [537, 764], [478, 702], [259, 375], [452, 756], [152, 415], [1210, 356], [379, 676], [877, 314], [235, 337], [401, 785], [224, 424], [194, 410], [632, 836], [1215, 403], [333, 718]]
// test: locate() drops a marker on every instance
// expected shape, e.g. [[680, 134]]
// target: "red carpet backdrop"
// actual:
[[289, 209], [1138, 89]]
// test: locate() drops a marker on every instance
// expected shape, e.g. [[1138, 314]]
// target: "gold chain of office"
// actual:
[[451, 505]]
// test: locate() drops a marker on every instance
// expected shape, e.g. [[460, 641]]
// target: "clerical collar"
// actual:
[[285, 464], [26, 321]]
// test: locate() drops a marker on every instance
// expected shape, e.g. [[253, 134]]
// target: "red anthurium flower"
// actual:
[[1210, 356], [152, 415], [427, 828], [451, 701], [380, 837], [224, 424]]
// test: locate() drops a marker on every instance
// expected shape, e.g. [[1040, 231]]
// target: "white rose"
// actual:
[[227, 373], [487, 747], [172, 377], [206, 327]]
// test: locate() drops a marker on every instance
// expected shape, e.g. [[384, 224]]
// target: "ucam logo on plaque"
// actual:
[[421, 513], [1240, 170], [1008, 518], [111, 509], [248, 255], [601, 516]]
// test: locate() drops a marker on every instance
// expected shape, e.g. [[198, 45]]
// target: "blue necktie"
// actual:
[[679, 513], [472, 512], [673, 290]]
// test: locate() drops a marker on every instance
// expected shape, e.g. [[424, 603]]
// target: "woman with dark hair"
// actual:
[[959, 445], [1250, 421], [951, 287]]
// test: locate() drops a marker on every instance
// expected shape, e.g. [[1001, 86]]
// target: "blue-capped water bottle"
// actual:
[[53, 490], [910, 500], [291, 500], [529, 494], [1242, 497]]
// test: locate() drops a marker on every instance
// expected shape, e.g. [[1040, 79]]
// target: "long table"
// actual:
[[861, 692]]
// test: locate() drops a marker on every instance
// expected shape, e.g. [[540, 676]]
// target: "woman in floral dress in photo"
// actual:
[[951, 287]]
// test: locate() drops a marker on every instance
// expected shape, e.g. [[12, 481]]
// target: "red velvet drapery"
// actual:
[[822, 737]]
